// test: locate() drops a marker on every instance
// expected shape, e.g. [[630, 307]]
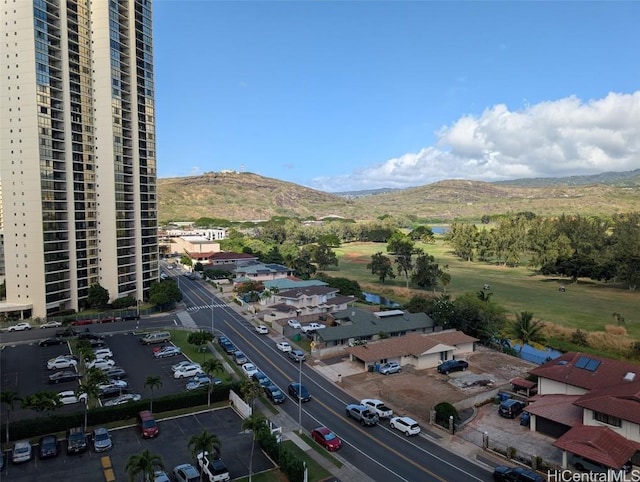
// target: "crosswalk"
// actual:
[[206, 307]]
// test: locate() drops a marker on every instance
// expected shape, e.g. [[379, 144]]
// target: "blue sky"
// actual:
[[350, 95]]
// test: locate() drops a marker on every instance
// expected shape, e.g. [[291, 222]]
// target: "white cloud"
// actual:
[[550, 139]]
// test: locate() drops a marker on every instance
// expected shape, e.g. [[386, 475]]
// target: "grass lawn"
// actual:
[[586, 305]]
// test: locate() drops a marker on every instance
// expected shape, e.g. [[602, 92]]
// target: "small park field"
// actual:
[[585, 305]]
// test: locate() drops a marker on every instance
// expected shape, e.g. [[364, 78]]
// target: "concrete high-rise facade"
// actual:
[[77, 152]]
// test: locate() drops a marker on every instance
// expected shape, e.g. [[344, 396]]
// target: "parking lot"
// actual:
[[24, 370], [171, 445]]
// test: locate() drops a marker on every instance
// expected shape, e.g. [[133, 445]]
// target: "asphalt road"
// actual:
[[379, 452]]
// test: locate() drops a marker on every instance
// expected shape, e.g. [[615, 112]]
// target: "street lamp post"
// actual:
[[213, 331], [300, 397]]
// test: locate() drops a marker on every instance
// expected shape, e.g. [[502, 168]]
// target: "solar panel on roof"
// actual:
[[582, 362], [593, 365]]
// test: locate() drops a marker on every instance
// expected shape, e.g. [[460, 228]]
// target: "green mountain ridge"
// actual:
[[250, 197]]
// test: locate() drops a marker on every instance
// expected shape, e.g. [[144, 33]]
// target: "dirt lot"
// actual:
[[415, 392]]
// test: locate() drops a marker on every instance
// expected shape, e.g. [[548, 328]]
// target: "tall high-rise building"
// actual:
[[77, 152]]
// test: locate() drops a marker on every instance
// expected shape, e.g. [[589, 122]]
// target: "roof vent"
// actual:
[[562, 362], [629, 377]]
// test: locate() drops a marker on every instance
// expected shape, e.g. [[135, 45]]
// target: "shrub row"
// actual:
[[289, 463], [54, 422]]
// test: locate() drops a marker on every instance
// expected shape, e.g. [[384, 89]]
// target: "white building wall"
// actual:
[[552, 387]]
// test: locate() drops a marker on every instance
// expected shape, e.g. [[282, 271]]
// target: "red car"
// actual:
[[326, 438], [82, 322]]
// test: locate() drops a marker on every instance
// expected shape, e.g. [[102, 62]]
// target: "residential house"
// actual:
[[355, 325], [420, 350], [308, 300], [583, 399], [256, 271]]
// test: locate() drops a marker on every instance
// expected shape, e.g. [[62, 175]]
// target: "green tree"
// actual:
[[426, 272], [303, 265], [145, 464], [381, 266], [422, 233], [255, 423], [9, 397], [152, 383], [403, 249], [462, 238], [186, 260], [164, 293], [97, 296], [419, 304], [324, 256], [211, 366], [42, 401], [273, 256], [527, 331], [206, 442]]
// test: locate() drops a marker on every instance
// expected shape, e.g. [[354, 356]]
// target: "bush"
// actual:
[[580, 338], [444, 411]]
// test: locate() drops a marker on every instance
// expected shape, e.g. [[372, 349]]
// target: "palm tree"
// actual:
[[204, 442], [211, 366], [484, 295], [10, 398], [255, 423], [144, 463], [152, 383], [90, 389], [527, 331]]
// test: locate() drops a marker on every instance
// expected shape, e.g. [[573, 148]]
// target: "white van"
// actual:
[[156, 337]]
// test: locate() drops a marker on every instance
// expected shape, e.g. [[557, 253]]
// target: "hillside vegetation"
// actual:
[[247, 196]]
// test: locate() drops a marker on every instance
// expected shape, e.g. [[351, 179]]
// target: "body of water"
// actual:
[[379, 300], [440, 229]]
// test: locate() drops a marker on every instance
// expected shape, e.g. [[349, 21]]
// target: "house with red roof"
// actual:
[[592, 405]]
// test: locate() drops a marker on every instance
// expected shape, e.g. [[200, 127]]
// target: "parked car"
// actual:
[[229, 348], [452, 366], [88, 335], [262, 330], [69, 397], [389, 368], [101, 439], [249, 369], [213, 469], [362, 414], [261, 378], [406, 425], [147, 424], [299, 392], [296, 355], [122, 399], [115, 373], [168, 352], [48, 446], [186, 473], [283, 346], [198, 382], [61, 362], [76, 441], [511, 408], [312, 327], [64, 376], [101, 364], [294, 324], [67, 333], [187, 371], [184, 363], [239, 358], [326, 438], [515, 474], [51, 324], [109, 390], [20, 327], [97, 343], [274, 394], [103, 353], [377, 406], [51, 342], [21, 452], [160, 476], [86, 321]]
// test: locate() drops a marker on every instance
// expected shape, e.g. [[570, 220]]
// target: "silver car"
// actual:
[[101, 439], [21, 452]]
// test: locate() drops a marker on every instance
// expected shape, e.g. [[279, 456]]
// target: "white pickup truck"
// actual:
[[377, 406], [312, 327], [213, 470]]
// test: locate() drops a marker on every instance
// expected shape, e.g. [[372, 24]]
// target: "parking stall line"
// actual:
[[109, 475]]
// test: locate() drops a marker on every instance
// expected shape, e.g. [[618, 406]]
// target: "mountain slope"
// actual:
[[247, 196]]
